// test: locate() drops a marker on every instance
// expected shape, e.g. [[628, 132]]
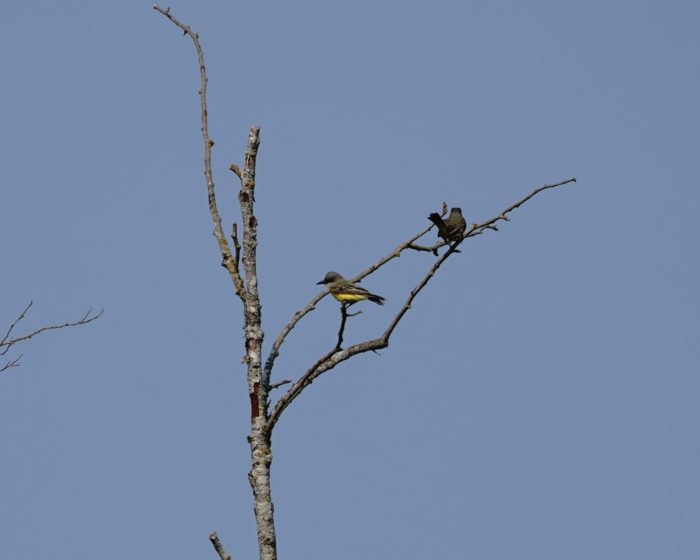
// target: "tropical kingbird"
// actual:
[[453, 227], [346, 292]]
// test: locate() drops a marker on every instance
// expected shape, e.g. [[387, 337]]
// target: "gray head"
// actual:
[[330, 277], [456, 210]]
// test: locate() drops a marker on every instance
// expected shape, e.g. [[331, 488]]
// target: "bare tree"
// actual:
[[8, 340], [264, 415]]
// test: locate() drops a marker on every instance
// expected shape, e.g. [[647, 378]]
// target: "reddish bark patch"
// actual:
[[255, 401]]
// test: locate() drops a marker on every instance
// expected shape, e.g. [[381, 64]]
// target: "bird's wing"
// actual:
[[352, 289]]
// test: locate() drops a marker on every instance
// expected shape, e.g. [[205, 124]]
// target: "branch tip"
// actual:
[[228, 260], [220, 550]]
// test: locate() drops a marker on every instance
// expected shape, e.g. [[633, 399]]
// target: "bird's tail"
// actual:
[[439, 222], [379, 300]]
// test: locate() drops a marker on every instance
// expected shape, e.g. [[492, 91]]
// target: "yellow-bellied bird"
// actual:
[[346, 292]]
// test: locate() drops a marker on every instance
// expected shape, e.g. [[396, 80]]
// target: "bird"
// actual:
[[346, 292], [451, 229]]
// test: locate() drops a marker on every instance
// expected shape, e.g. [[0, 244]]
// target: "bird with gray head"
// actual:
[[451, 229], [346, 292]]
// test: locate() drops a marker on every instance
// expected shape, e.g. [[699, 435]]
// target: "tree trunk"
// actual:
[[259, 476]]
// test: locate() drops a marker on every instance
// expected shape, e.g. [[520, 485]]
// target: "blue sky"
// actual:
[[539, 401]]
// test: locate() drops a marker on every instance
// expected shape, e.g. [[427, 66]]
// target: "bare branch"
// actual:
[[343, 318], [246, 287], [280, 383], [337, 355], [7, 342], [503, 215], [220, 550], [11, 327], [237, 280], [252, 313], [414, 292], [430, 249], [258, 384], [227, 258], [279, 341], [341, 330], [11, 363], [478, 229], [277, 344], [294, 391]]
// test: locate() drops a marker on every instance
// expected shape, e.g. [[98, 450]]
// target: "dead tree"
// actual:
[[239, 260], [9, 340]]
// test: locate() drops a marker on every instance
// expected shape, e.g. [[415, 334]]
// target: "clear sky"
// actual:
[[540, 399]]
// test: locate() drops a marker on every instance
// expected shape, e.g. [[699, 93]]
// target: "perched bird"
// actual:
[[453, 227], [346, 292]]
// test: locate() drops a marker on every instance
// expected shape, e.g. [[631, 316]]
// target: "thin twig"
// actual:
[[336, 356], [12, 326], [280, 383], [414, 292], [294, 391], [227, 258], [220, 550], [7, 342], [503, 216], [430, 249], [277, 344], [11, 363], [236, 248], [343, 319]]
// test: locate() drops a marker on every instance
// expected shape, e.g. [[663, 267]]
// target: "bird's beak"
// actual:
[[321, 282]]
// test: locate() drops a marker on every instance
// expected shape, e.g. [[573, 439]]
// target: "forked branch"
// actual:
[[228, 261], [337, 355], [8, 340], [245, 256], [477, 229], [245, 282], [279, 341], [343, 319]]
